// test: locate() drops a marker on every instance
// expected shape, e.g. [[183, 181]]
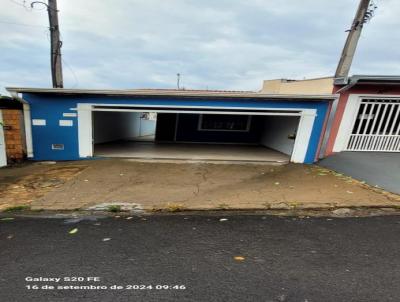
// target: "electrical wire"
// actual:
[[58, 50], [72, 72], [18, 3], [22, 24], [29, 8], [69, 67], [22, 4]]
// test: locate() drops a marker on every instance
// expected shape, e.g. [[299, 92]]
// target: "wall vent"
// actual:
[[57, 146]]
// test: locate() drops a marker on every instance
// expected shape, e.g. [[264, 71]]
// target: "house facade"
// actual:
[[321, 85], [366, 116], [72, 124]]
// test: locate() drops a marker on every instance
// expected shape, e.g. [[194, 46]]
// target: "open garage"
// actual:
[[188, 136], [195, 125]]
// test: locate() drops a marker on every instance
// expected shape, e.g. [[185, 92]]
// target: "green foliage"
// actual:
[[114, 208], [17, 208]]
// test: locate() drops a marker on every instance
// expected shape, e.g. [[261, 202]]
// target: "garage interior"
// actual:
[[194, 136]]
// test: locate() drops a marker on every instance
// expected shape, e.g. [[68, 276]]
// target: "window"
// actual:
[[219, 122]]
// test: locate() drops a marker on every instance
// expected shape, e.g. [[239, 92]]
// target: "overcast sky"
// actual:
[[214, 44]]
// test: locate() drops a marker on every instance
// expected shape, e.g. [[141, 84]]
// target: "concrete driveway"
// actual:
[[155, 186], [376, 168]]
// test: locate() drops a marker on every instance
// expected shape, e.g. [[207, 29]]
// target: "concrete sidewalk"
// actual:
[[97, 184]]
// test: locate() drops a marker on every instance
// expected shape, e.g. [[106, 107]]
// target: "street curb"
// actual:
[[312, 212]]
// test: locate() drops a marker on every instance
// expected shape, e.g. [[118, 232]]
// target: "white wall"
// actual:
[[131, 119], [147, 127], [144, 127], [111, 126], [276, 131], [3, 156]]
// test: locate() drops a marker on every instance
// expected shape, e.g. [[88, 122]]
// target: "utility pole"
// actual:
[[364, 13], [178, 80], [55, 43], [55, 48]]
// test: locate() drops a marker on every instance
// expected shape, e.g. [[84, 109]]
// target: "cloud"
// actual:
[[219, 44]]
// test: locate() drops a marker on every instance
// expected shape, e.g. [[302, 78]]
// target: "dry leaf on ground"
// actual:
[[7, 219], [73, 231]]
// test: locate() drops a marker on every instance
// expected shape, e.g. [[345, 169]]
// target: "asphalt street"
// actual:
[[200, 258]]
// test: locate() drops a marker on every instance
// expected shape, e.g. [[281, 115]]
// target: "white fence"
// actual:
[[376, 126]]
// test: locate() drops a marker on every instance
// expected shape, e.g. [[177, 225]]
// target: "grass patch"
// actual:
[[37, 210], [293, 204], [175, 207], [114, 208], [223, 206], [17, 208]]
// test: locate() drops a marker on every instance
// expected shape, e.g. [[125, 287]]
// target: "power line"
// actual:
[[22, 24], [72, 72], [18, 3], [55, 42], [69, 67], [22, 4]]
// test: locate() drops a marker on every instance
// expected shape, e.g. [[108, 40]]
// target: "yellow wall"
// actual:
[[311, 86]]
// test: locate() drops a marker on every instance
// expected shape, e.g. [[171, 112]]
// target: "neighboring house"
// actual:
[[307, 86], [71, 124], [12, 138], [366, 116]]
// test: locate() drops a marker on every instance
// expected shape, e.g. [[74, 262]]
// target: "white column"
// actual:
[[85, 138], [3, 155], [28, 130], [303, 135]]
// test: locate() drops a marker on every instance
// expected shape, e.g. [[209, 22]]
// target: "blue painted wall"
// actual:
[[52, 107]]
